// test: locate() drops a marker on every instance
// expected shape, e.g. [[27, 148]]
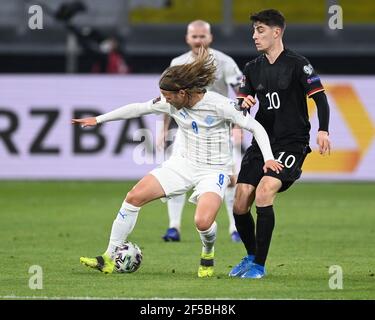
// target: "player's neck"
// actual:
[[194, 99], [273, 53]]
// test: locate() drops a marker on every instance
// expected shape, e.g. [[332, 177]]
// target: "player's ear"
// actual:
[[277, 32], [182, 92]]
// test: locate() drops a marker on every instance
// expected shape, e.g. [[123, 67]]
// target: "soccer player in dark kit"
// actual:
[[280, 79]]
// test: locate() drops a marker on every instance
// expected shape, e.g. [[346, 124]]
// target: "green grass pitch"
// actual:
[[52, 224]]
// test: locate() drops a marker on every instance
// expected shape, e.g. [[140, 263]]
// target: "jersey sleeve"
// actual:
[[135, 110], [246, 87], [308, 77], [249, 123], [232, 74]]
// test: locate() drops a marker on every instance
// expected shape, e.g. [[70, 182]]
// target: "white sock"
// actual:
[[175, 207], [122, 226], [229, 200], [208, 238]]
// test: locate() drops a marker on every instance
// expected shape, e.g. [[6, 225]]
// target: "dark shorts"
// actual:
[[252, 167]]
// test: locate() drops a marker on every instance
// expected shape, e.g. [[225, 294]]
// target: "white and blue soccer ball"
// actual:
[[128, 258]]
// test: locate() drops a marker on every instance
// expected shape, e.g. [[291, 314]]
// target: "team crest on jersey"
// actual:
[[243, 81], [156, 100], [209, 120], [308, 69]]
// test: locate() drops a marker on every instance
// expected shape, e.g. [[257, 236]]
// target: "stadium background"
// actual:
[[53, 74]]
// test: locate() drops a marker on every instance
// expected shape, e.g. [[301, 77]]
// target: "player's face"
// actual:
[[265, 36], [176, 99], [198, 36]]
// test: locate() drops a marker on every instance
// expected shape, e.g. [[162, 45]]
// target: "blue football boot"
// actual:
[[172, 234], [256, 271], [242, 267]]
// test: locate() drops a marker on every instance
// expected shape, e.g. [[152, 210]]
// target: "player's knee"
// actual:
[[240, 207], [241, 202], [264, 196], [135, 198], [202, 223]]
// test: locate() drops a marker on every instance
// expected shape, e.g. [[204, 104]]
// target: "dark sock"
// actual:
[[246, 228], [265, 225]]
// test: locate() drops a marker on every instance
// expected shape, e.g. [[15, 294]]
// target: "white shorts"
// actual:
[[177, 176]]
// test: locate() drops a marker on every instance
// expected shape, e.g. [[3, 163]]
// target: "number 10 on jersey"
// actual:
[[274, 100]]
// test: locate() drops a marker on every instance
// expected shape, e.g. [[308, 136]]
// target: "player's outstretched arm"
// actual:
[[133, 110]]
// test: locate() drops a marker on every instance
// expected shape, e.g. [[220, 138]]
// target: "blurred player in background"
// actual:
[[227, 74], [204, 161], [280, 79]]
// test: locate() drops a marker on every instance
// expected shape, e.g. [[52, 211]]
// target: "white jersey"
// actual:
[[205, 128], [227, 71]]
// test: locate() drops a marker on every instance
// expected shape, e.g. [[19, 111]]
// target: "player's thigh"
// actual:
[[207, 208], [244, 198], [292, 170], [174, 176], [146, 190], [209, 181]]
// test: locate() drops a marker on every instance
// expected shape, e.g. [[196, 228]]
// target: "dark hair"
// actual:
[[192, 77], [270, 17]]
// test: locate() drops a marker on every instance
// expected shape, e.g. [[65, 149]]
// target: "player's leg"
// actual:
[[146, 190], [208, 194], [207, 208], [266, 191], [176, 204], [229, 200], [244, 197], [265, 195], [250, 174], [167, 180], [175, 208]]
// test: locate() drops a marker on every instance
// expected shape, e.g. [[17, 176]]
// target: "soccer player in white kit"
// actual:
[[204, 162], [227, 74]]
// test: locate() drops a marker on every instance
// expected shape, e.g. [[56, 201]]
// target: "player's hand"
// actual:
[[85, 122], [323, 142], [273, 165], [248, 102]]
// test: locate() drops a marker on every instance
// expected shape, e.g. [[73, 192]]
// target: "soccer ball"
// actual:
[[128, 258]]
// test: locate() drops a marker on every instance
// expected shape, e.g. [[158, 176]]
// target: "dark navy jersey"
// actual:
[[281, 89]]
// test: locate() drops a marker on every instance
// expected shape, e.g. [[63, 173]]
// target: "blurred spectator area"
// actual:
[[153, 31]]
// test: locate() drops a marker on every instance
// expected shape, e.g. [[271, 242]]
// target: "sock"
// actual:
[[208, 238], [229, 200], [246, 228], [122, 227], [265, 225], [175, 207]]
